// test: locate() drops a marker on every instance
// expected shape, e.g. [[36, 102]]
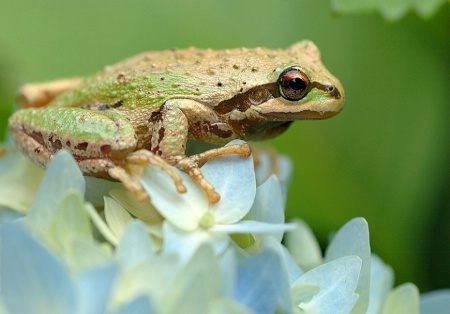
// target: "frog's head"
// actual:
[[303, 89]]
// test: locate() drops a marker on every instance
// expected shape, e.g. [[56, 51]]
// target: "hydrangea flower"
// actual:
[[69, 247]]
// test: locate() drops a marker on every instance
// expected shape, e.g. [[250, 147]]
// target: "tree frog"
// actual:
[[144, 110]]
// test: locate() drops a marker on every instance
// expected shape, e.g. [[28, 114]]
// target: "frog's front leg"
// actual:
[[179, 120]]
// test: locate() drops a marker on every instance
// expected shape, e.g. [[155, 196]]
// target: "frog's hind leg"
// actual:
[[40, 94], [103, 143], [96, 139]]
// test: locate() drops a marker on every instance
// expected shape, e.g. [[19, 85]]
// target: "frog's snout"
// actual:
[[333, 91]]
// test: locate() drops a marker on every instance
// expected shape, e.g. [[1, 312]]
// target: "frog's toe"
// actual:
[[131, 182]]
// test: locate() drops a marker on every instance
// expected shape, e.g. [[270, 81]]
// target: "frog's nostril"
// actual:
[[333, 91]]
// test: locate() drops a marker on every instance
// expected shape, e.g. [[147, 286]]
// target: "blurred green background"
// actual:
[[385, 157]]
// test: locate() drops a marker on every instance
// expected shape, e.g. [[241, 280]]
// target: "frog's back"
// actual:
[[149, 79]]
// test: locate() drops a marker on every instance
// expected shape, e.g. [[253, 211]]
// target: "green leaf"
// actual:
[[390, 9]]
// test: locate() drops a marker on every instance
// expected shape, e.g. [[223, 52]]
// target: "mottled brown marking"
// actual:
[[243, 101], [161, 134], [37, 136], [214, 129], [155, 116], [109, 106], [105, 149], [82, 146], [56, 145]]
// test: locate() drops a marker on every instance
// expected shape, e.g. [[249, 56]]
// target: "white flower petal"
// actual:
[[184, 244], [269, 205], [141, 304], [403, 299], [303, 246], [196, 286], [69, 221], [303, 293], [233, 177], [135, 246], [337, 280], [253, 227], [101, 225], [381, 283], [19, 181], [62, 176], [226, 306], [183, 210], [116, 216], [142, 210], [353, 239]]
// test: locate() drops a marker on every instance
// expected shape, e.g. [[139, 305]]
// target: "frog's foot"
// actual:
[[131, 171], [191, 165]]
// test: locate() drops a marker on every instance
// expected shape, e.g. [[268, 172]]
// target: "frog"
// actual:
[[144, 110]]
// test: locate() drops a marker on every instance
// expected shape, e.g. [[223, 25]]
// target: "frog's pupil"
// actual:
[[297, 84]]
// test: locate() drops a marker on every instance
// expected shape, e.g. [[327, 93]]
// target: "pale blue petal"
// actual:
[[140, 305], [303, 246], [260, 282], [353, 239], [233, 177], [290, 272], [381, 283], [435, 302], [292, 269], [253, 227], [62, 176], [197, 285], [7, 215], [184, 244], [269, 205], [135, 245], [33, 279], [183, 210], [403, 299], [337, 280], [226, 306], [95, 288]]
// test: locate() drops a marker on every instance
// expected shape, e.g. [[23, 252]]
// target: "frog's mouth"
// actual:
[[302, 115]]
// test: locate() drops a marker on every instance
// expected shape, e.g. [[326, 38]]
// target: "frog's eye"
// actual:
[[293, 84]]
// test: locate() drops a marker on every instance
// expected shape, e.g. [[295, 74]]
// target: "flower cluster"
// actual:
[[71, 244]]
